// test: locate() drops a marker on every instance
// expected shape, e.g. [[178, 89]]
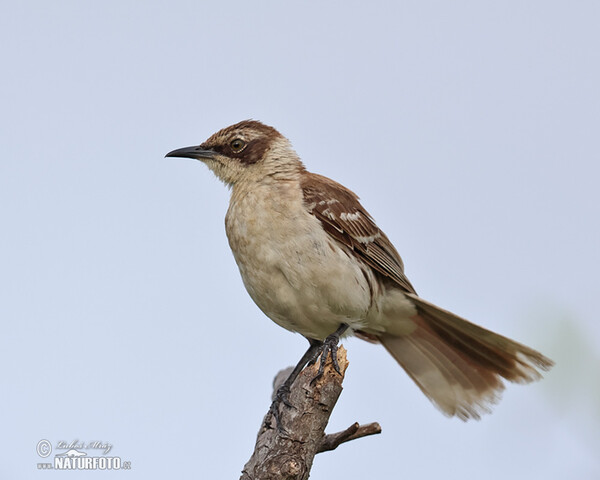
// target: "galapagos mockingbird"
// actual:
[[316, 263]]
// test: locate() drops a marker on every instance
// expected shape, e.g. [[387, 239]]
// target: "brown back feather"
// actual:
[[346, 220]]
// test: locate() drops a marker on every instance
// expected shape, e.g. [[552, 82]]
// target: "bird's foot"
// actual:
[[329, 347], [281, 397]]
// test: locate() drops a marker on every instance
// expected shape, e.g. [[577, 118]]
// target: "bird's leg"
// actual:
[[284, 390], [328, 347]]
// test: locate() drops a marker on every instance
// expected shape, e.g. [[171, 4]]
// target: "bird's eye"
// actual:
[[237, 145]]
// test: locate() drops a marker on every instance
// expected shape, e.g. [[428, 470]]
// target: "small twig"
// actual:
[[354, 431]]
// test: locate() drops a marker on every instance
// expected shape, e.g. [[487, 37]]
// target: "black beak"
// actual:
[[197, 153]]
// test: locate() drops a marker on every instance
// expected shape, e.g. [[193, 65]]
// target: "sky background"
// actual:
[[471, 132]]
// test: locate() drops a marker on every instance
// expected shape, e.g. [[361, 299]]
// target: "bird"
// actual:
[[316, 263]]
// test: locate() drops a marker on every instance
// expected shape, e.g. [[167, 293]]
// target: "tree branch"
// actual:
[[354, 431], [289, 454]]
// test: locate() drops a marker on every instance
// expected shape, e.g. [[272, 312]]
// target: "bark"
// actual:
[[289, 454]]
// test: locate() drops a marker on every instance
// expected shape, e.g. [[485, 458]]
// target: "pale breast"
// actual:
[[291, 268]]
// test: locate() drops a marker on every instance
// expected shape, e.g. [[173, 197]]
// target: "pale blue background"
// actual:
[[469, 129]]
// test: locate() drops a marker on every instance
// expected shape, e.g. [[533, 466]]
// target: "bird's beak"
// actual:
[[197, 153]]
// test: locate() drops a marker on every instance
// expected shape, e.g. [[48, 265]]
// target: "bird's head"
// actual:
[[248, 150]]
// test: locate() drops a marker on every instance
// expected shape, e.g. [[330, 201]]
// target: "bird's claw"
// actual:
[[329, 348], [281, 397]]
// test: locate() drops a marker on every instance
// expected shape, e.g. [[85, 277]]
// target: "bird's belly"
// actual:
[[297, 275]]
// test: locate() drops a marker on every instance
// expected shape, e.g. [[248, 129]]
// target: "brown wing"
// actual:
[[345, 219]]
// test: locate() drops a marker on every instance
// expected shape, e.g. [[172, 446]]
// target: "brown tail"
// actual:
[[457, 364]]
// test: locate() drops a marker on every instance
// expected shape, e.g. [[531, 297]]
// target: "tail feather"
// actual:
[[457, 364]]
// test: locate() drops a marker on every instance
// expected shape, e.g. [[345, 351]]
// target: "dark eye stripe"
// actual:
[[252, 152]]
